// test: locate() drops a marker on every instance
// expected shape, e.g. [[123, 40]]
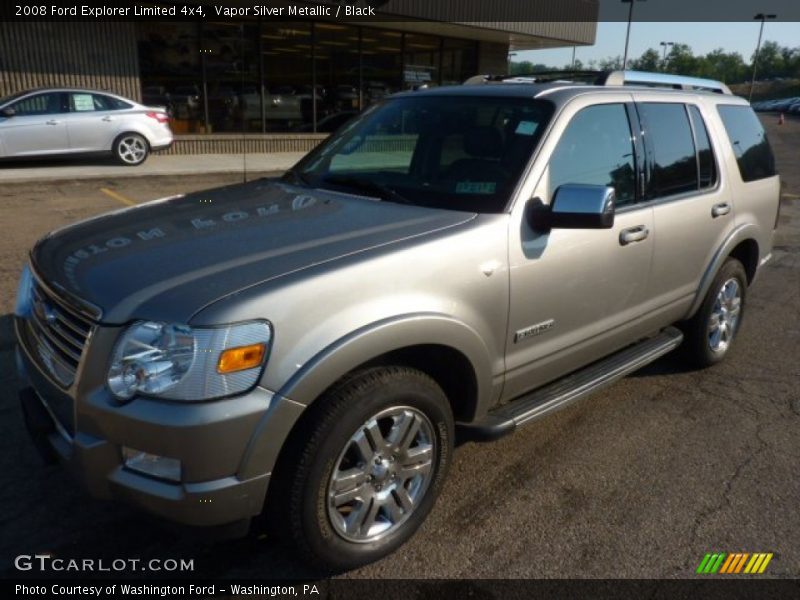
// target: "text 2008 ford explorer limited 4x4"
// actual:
[[457, 259]]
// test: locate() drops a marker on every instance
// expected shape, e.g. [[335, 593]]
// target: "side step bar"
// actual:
[[563, 392]]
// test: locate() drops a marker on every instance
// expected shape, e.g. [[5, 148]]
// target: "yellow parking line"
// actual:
[[117, 196], [791, 196]]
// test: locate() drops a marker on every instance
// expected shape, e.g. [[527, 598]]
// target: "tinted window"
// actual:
[[749, 142], [40, 104], [596, 148], [705, 155], [668, 136], [102, 102]]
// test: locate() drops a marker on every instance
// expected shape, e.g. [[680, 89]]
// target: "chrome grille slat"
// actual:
[[59, 333], [74, 321], [48, 332]]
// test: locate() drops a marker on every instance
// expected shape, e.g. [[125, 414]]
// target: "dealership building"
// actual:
[[264, 85]]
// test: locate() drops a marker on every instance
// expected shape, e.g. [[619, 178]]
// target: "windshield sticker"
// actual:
[[526, 128], [82, 102], [476, 187]]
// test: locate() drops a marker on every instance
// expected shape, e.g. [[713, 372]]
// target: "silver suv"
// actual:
[[454, 262]]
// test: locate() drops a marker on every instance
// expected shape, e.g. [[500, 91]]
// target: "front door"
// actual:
[[38, 127], [576, 294]]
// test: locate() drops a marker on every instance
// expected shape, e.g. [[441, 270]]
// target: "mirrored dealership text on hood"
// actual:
[[198, 224]]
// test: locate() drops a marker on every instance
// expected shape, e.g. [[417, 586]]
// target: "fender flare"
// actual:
[[740, 234], [346, 354], [386, 335]]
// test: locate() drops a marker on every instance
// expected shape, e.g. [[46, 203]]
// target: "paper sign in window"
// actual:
[[82, 102]]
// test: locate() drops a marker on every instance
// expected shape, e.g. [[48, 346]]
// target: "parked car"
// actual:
[[461, 259], [63, 121]]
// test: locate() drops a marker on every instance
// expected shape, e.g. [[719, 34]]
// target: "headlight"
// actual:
[[177, 362]]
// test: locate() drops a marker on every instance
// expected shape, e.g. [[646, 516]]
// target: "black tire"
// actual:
[[130, 149], [298, 508], [698, 345]]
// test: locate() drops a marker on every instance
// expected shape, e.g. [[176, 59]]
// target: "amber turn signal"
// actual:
[[241, 358]]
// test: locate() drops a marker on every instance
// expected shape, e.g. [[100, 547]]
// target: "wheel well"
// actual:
[[747, 254], [445, 365]]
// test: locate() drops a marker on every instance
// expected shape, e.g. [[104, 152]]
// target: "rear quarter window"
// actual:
[[749, 142]]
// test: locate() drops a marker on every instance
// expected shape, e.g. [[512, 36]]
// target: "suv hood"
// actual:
[[167, 259]]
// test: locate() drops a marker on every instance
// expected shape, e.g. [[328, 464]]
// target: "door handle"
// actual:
[[633, 234], [107, 119], [720, 209], [52, 122]]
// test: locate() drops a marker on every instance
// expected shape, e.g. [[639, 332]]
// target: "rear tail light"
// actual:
[[160, 117]]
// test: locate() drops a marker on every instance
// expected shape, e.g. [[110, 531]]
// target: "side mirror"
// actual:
[[576, 206], [8, 112]]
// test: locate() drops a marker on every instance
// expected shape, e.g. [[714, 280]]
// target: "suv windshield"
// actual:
[[455, 152]]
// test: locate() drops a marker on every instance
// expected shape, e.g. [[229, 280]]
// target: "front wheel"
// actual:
[[364, 470], [710, 333], [131, 149]]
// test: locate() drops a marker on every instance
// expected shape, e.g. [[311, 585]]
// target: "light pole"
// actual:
[[628, 33], [763, 18], [664, 57], [572, 64]]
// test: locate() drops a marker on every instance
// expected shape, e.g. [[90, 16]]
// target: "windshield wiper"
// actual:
[[366, 185]]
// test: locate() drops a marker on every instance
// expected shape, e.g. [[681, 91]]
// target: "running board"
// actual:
[[563, 392]]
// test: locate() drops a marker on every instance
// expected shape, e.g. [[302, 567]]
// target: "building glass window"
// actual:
[[287, 50], [381, 63], [459, 61], [292, 76], [421, 61], [169, 64]]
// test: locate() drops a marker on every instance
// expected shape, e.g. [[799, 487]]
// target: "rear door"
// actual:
[[692, 204], [92, 122], [38, 127]]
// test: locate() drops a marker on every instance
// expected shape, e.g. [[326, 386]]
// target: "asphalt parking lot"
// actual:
[[640, 480]]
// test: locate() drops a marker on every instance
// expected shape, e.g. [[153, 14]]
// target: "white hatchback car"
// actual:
[[63, 121]]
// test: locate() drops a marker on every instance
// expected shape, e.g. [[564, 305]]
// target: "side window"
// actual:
[[102, 102], [749, 142], [668, 136], [41, 104], [705, 155], [596, 148]]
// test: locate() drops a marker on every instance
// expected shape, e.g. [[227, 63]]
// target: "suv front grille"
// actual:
[[58, 334]]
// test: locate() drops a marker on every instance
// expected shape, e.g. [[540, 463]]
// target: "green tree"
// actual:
[[648, 61], [681, 60], [728, 67]]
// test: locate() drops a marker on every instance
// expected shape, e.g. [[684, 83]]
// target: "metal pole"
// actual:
[[755, 58], [627, 37], [572, 64]]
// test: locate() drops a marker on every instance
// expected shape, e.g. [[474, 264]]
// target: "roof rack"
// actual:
[[678, 82], [608, 78]]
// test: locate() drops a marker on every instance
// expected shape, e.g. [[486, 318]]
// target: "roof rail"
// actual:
[[592, 77], [665, 80]]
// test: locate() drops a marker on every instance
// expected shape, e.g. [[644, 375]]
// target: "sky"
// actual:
[[702, 37]]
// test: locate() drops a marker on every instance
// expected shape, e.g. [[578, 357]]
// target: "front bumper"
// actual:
[[226, 462]]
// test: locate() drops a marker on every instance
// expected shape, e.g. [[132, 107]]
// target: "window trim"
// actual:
[[714, 153]]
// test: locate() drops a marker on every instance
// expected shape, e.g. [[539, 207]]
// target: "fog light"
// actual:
[[152, 464]]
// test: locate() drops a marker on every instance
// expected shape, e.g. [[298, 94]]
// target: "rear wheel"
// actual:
[[365, 468], [710, 333], [131, 149]]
